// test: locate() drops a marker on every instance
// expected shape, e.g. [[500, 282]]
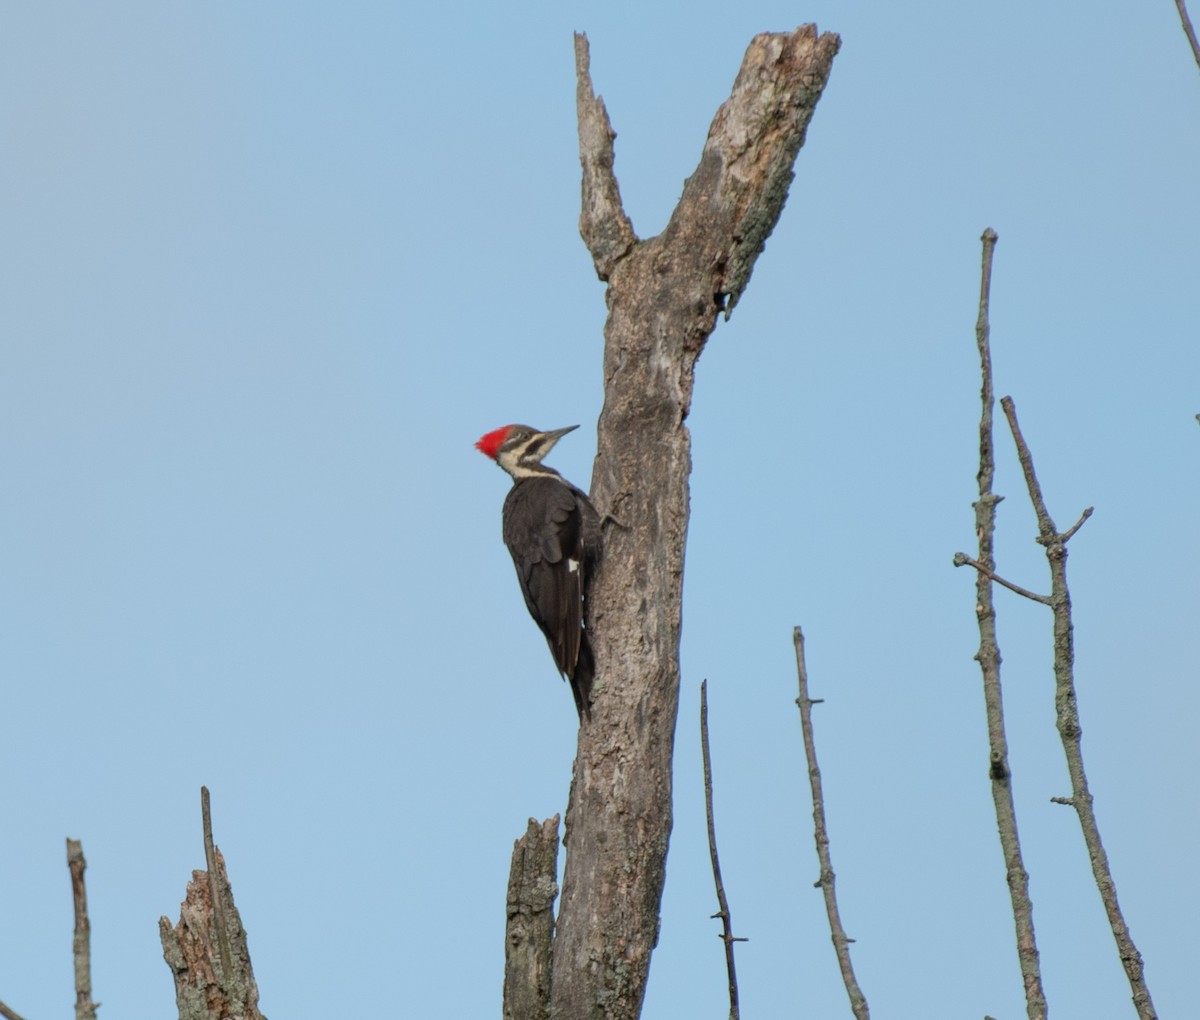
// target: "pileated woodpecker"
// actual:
[[553, 533]]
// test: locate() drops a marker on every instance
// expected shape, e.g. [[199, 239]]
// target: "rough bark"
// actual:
[[989, 660], [208, 951], [85, 1008], [1066, 705], [204, 989], [664, 295], [532, 889]]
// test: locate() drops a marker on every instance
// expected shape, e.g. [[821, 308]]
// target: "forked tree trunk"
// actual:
[[664, 295]]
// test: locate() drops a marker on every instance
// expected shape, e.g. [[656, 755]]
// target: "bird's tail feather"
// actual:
[[581, 680]]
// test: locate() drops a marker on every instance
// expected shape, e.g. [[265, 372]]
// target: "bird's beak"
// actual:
[[555, 435]]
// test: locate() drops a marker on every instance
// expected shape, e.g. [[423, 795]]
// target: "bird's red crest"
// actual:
[[491, 443]]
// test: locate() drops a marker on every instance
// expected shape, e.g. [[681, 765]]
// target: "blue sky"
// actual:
[[268, 272]]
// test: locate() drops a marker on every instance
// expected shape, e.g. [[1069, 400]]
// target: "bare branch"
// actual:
[[210, 862], [983, 333], [9, 1014], [827, 881], [1066, 537], [1067, 711], [989, 661], [85, 1008], [722, 902], [1188, 30], [81, 949], [605, 228], [1047, 532], [746, 168], [532, 888], [963, 560]]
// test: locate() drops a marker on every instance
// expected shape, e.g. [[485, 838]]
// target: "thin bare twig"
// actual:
[[989, 662], [9, 1014], [210, 864], [85, 1009], [1067, 711], [827, 881], [963, 560], [1188, 30], [726, 920]]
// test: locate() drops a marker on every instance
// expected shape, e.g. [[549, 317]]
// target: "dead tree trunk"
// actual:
[[532, 887], [664, 295], [208, 951]]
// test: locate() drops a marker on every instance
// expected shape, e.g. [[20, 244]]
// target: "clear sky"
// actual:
[[269, 269]]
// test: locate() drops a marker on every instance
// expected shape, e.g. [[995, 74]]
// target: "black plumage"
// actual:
[[545, 520], [553, 533]]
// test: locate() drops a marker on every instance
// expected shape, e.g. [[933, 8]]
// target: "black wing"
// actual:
[[544, 530]]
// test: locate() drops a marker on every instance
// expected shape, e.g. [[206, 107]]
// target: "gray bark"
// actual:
[[85, 1008], [664, 295], [208, 951], [532, 889]]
